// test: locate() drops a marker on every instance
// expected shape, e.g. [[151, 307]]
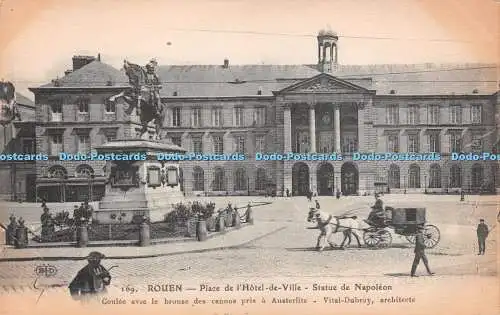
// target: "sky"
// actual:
[[39, 38]]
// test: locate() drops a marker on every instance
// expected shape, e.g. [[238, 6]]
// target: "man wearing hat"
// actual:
[[377, 214], [91, 279], [482, 234], [420, 253]]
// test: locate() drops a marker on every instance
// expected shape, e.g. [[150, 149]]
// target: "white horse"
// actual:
[[330, 225]]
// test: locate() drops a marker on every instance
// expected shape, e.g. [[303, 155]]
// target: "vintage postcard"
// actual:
[[249, 157]]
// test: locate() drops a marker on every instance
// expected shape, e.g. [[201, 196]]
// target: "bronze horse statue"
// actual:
[[144, 96]]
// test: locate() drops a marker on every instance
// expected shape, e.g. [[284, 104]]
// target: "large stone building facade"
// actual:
[[321, 108], [18, 178]]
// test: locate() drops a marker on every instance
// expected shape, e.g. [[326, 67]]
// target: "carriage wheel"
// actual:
[[432, 235], [410, 238], [385, 238], [371, 238]]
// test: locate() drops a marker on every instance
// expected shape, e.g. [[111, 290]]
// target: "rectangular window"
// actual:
[[476, 143], [110, 135], [176, 140], [413, 144], [393, 143], [56, 111], [259, 116], [217, 117], [176, 117], [434, 142], [434, 114], [240, 144], [196, 117], [28, 146], [392, 115], [197, 145], [109, 107], [456, 114], [56, 144], [83, 105], [218, 145], [83, 144], [476, 114], [239, 120], [349, 144], [413, 115], [456, 142], [260, 144]]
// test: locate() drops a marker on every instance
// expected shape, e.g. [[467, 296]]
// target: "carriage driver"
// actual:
[[377, 214]]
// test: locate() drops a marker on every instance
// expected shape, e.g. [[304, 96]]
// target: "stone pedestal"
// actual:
[[146, 184]]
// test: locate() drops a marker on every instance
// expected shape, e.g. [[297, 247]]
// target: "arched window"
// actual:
[[414, 176], [84, 171], [477, 176], [260, 179], [455, 176], [57, 172], [198, 179], [393, 176], [219, 182], [240, 179], [435, 176]]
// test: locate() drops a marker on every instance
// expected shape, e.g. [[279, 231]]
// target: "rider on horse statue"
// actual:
[[377, 215], [144, 95], [153, 83]]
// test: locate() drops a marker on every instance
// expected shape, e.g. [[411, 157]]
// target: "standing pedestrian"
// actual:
[[91, 279], [420, 253], [482, 234]]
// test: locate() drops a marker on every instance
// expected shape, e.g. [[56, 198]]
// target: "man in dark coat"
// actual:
[[377, 214], [91, 279], [482, 234], [420, 253]]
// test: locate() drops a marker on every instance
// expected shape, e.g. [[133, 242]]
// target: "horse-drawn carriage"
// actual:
[[404, 221]]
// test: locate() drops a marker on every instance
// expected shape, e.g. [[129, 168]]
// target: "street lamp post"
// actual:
[[404, 183], [91, 187], [425, 184], [248, 184], [65, 178]]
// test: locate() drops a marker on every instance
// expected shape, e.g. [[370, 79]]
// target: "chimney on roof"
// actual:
[[99, 57], [226, 63], [81, 61]]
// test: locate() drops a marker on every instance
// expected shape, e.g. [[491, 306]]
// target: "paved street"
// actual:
[[289, 252]]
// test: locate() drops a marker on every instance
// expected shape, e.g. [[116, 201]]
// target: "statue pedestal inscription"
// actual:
[[141, 186]]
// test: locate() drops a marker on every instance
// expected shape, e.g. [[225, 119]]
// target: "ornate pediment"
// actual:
[[323, 83]]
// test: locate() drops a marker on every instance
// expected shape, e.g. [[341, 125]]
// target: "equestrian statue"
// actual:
[[144, 95]]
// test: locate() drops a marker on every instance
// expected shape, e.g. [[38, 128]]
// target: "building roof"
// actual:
[[23, 100], [180, 81], [92, 75]]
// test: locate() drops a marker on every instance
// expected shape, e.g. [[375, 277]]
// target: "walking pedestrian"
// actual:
[[482, 234], [420, 253]]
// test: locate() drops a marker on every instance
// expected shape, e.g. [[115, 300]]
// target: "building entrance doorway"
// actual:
[[326, 180], [350, 179], [300, 179]]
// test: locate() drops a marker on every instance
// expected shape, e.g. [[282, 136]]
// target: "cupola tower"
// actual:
[[327, 51]]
